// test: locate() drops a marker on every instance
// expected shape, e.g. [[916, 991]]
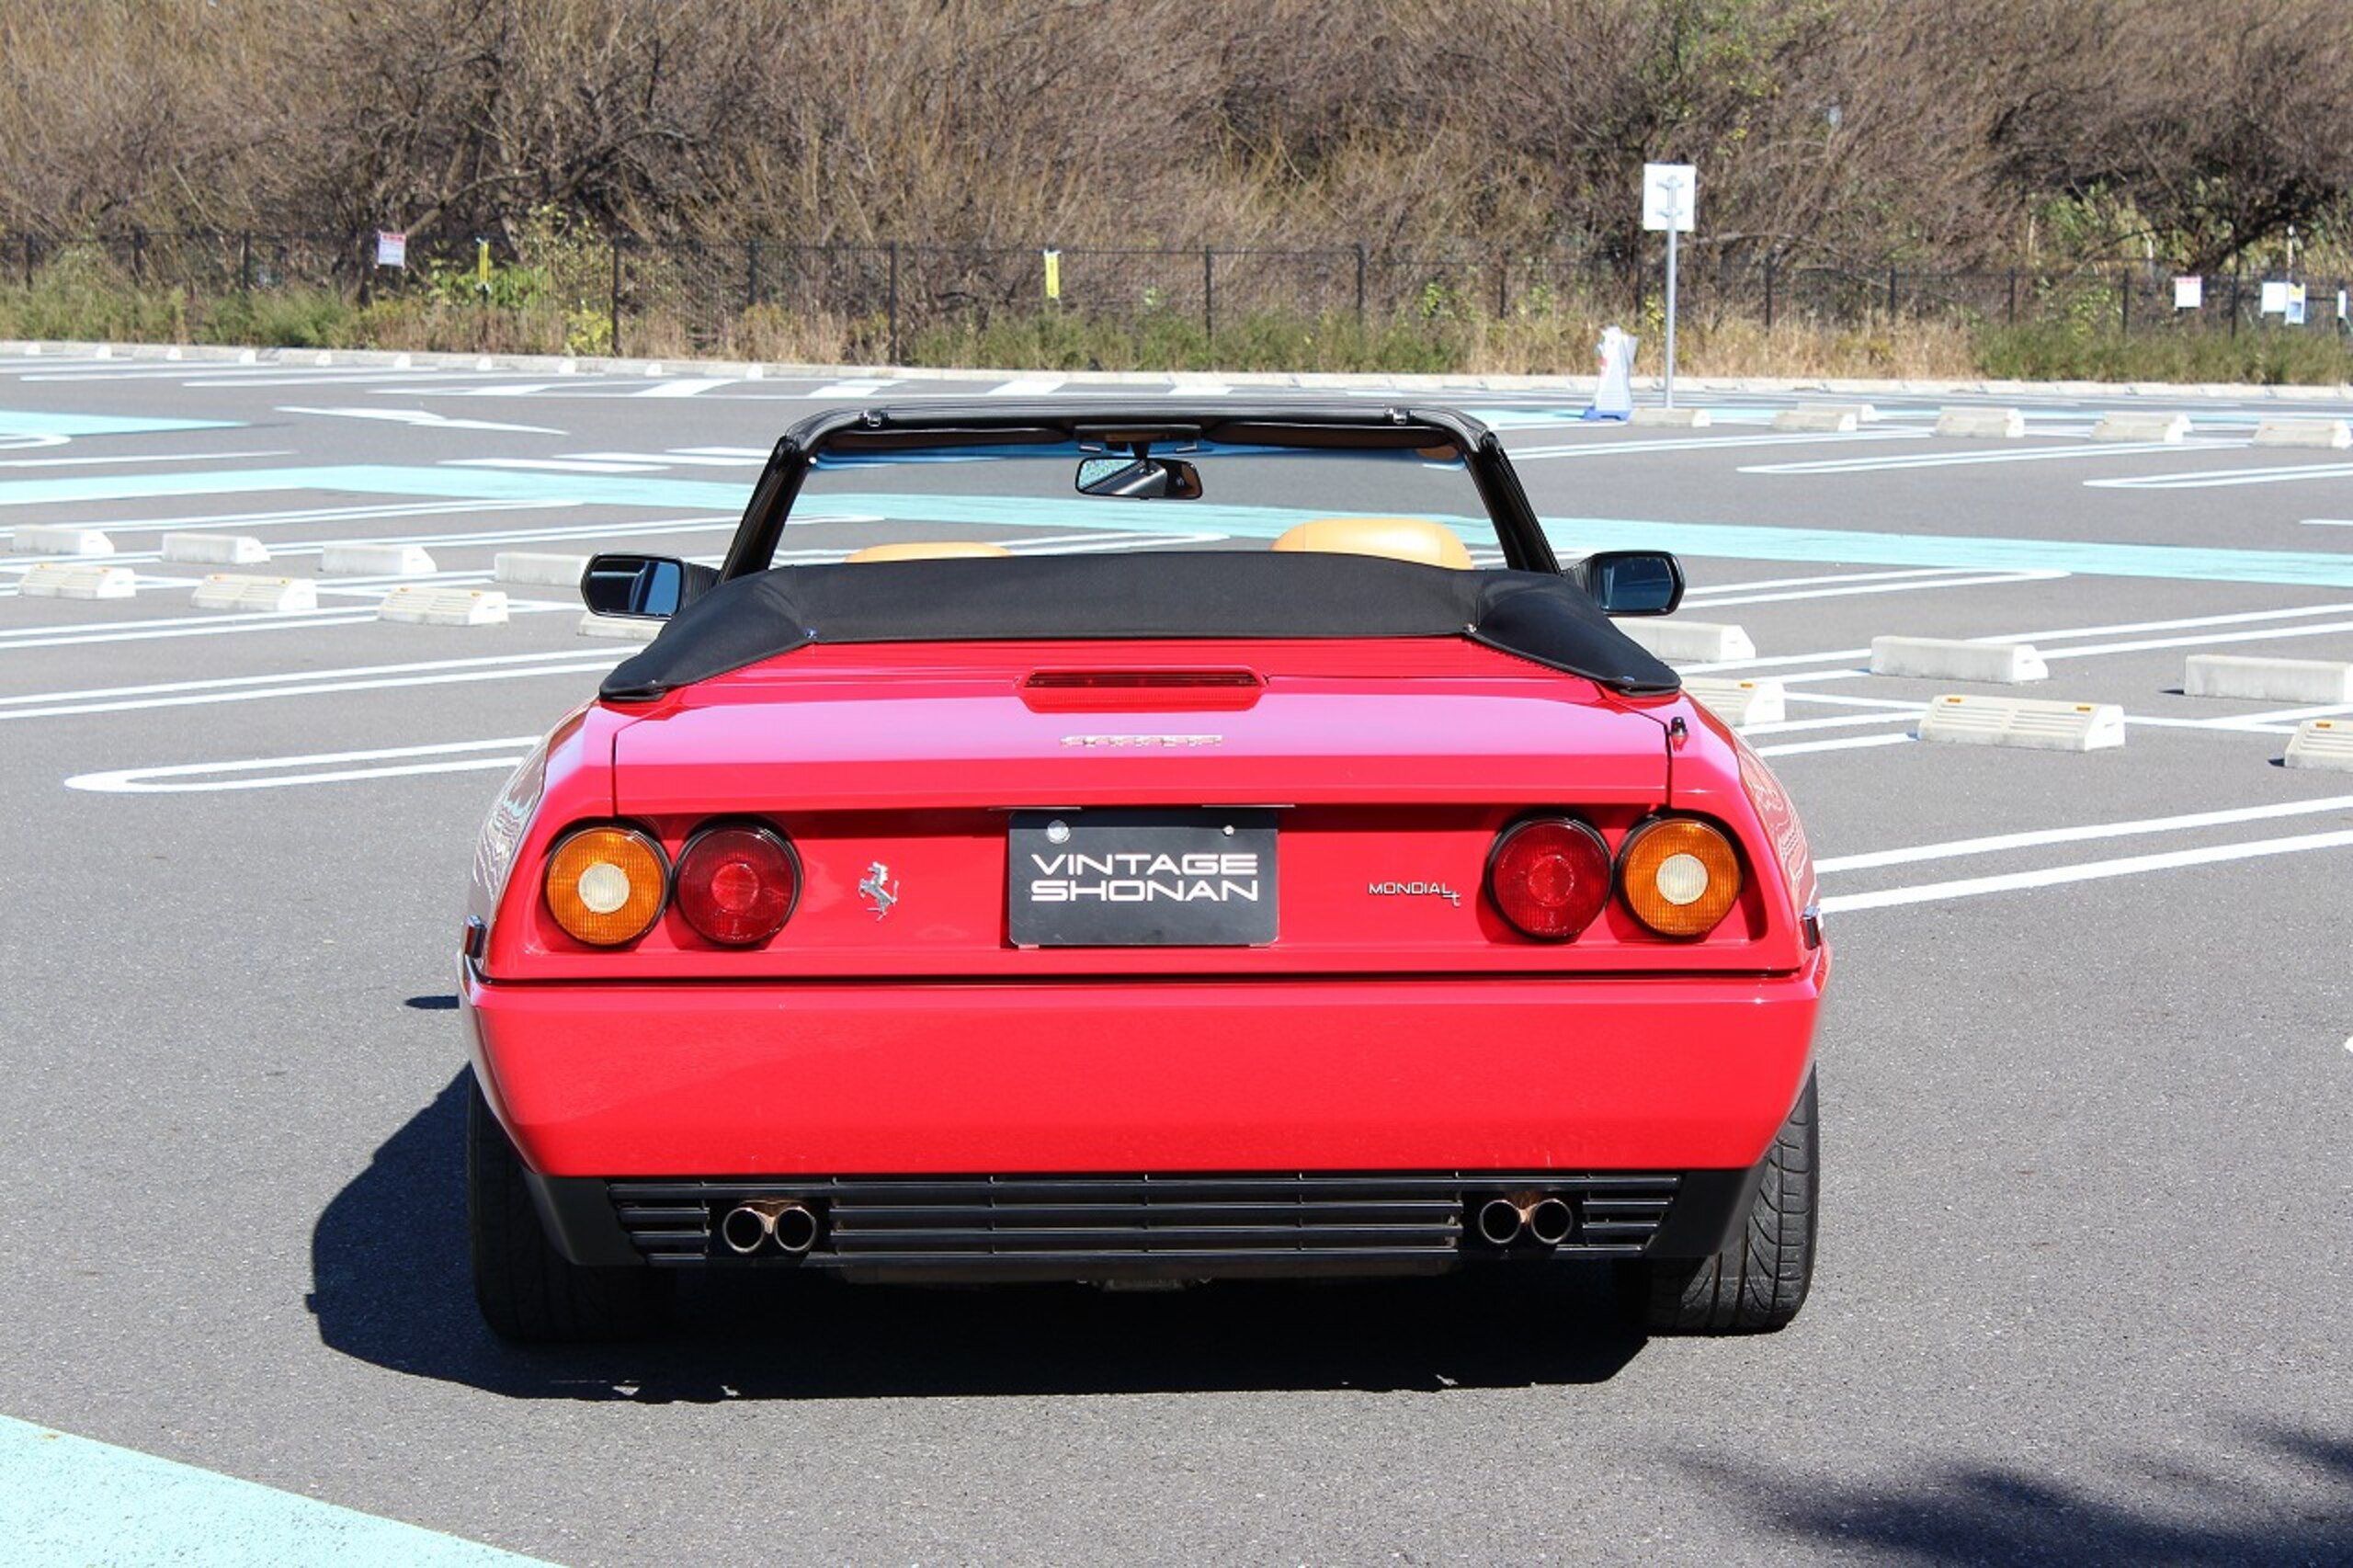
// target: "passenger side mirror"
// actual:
[[648, 587], [1632, 581], [1142, 479]]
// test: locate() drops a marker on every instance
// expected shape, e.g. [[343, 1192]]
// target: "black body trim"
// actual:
[[1543, 618], [1140, 1227]]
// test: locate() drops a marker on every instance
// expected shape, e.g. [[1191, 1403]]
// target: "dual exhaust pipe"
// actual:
[[787, 1224], [1542, 1217]]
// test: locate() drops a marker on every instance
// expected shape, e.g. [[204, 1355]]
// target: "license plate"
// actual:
[[1131, 879]]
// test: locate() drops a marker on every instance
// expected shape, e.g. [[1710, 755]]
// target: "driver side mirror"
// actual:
[[647, 586], [1631, 582]]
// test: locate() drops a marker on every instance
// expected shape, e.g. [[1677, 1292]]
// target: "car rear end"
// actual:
[[1142, 961]]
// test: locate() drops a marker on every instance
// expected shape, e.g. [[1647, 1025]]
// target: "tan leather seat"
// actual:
[[925, 549], [1399, 539]]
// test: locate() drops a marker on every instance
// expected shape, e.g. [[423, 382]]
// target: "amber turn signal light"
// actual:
[[605, 885], [1679, 876]]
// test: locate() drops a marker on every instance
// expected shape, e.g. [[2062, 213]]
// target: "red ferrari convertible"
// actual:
[[1139, 845]]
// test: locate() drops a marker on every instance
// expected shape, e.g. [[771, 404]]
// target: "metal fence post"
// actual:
[[2014, 297], [1503, 288], [29, 259], [2234, 299], [891, 318], [613, 300], [139, 258], [751, 272], [2124, 304], [1209, 293], [1359, 285], [1768, 290], [244, 261], [1891, 293]]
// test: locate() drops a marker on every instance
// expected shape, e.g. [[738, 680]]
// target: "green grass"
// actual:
[[81, 299], [2267, 355]]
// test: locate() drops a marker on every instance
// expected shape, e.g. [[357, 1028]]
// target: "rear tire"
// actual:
[[529, 1292], [1758, 1281]]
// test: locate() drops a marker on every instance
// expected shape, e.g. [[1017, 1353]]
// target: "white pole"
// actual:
[[1670, 314]]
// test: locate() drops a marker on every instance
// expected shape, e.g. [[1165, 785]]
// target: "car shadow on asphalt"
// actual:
[[390, 1286], [2268, 1493]]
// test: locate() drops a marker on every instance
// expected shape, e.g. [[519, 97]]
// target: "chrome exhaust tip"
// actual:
[[748, 1227], [795, 1228], [1550, 1220], [1499, 1222]]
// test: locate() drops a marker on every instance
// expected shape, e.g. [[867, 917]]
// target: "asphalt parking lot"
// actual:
[[2086, 1291]]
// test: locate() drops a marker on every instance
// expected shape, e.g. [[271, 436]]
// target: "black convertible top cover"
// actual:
[[1177, 594]]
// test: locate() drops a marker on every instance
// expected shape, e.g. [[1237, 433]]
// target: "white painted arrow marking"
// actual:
[[424, 416]]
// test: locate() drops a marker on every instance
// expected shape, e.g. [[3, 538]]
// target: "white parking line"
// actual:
[[2266, 634], [325, 767], [137, 458], [306, 515], [1832, 578], [692, 388], [263, 688], [19, 637], [1956, 581], [2057, 876], [555, 465], [2238, 617], [690, 459], [1852, 743], [1842, 721], [1850, 655], [2039, 837], [1599, 448], [425, 417], [2218, 478], [1960, 459]]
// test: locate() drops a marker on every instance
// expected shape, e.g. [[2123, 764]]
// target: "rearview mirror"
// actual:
[[649, 587], [1632, 581], [1141, 479]]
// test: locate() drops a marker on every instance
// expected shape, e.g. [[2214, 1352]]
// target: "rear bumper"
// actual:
[[1469, 1081]]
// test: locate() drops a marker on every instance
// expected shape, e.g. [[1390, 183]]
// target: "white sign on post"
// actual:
[[1670, 202], [391, 247], [2189, 293], [1668, 193], [2275, 298]]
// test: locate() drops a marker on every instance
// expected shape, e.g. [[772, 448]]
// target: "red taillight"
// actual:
[[1549, 878], [737, 885]]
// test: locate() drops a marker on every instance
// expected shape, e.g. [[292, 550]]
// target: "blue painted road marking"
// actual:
[[2313, 569], [15, 422], [473, 485], [70, 1500]]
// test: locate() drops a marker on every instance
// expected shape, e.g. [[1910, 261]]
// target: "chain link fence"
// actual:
[[938, 304]]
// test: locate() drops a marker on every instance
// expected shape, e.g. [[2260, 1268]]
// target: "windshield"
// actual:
[[1183, 493]]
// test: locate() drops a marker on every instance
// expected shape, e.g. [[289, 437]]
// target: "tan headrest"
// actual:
[[925, 549], [1400, 538]]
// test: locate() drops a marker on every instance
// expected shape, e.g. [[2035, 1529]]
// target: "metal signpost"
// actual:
[[1670, 193]]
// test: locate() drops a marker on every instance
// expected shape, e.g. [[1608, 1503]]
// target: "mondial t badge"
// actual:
[[1415, 889], [878, 887], [1136, 742]]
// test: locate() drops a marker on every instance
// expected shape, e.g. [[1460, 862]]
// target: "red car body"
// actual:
[[948, 1104]]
